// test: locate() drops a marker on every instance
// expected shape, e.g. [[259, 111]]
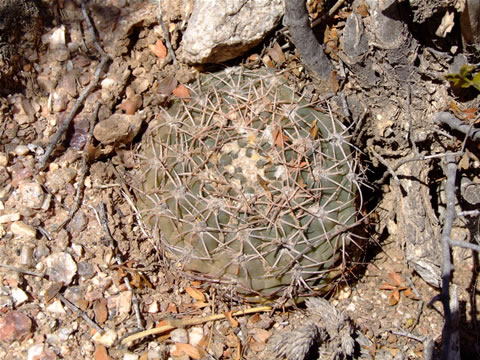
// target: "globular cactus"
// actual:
[[245, 182]]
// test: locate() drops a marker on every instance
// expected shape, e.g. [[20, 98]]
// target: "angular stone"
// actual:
[[221, 30], [20, 229], [118, 128], [31, 194]]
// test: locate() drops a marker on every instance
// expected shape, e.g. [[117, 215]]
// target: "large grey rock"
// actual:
[[221, 30]]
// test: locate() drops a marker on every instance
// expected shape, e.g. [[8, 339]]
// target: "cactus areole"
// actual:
[[246, 183]]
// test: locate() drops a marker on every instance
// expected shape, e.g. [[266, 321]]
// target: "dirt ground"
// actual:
[[47, 257]]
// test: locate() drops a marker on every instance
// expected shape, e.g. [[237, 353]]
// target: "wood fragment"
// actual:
[[173, 324], [310, 50]]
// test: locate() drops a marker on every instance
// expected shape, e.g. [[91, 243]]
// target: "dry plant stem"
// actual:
[[332, 11], [22, 270], [456, 124], [450, 348], [78, 311], [104, 222], [409, 335], [166, 34], [76, 106], [298, 23], [173, 324], [385, 163], [92, 30], [464, 245], [83, 172]]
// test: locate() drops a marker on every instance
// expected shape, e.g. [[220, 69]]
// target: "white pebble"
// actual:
[[9, 218], [107, 338], [130, 356], [19, 296], [195, 335], [21, 150], [3, 159], [22, 230], [56, 309], [179, 336]]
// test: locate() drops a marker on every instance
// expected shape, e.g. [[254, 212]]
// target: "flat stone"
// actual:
[[220, 30], [9, 217], [22, 230], [118, 128], [61, 267]]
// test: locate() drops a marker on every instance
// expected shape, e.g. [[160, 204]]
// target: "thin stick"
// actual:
[[78, 311], [385, 163], [78, 103], [464, 245], [408, 335], [104, 222], [83, 172], [76, 106], [166, 34], [456, 124], [92, 30], [22, 270], [173, 324], [332, 11], [450, 349]]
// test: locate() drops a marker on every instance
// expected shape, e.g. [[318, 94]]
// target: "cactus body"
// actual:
[[245, 182]]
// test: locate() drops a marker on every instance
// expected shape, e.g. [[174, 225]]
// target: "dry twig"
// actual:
[[83, 172], [104, 223], [166, 34], [78, 311], [173, 324]]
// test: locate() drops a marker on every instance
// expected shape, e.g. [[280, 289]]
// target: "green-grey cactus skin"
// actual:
[[247, 183]]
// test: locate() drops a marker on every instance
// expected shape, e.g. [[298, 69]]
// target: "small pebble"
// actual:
[[9, 218], [19, 296], [14, 326], [179, 336], [40, 352], [26, 256], [22, 230], [61, 267], [77, 249], [86, 270], [21, 150], [195, 335], [31, 194], [130, 356], [3, 159], [56, 309], [107, 338]]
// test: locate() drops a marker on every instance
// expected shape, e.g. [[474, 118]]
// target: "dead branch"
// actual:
[[310, 50], [456, 124], [450, 336]]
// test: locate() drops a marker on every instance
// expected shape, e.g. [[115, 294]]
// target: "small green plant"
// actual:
[[465, 78], [248, 184]]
